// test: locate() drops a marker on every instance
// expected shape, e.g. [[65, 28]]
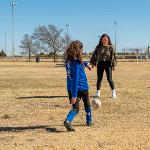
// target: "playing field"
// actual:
[[34, 104]]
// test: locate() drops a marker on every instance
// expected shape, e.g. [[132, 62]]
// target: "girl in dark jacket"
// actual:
[[104, 57]]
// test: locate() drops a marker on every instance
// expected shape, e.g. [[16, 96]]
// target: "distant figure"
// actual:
[[37, 58], [77, 84], [104, 57]]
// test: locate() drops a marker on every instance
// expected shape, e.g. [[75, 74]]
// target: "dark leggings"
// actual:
[[104, 65], [85, 97]]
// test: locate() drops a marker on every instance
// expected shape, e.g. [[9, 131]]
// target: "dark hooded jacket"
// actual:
[[104, 53]]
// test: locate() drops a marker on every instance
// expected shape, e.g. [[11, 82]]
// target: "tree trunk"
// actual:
[[29, 55], [54, 56]]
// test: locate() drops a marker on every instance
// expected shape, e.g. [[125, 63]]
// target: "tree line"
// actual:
[[45, 39], [2, 53]]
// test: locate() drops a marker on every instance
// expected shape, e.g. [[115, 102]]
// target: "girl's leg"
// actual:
[[72, 113], [70, 96], [87, 106], [100, 70], [108, 70]]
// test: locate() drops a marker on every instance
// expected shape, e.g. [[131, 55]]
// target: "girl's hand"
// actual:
[[89, 67], [113, 68], [92, 66], [73, 100]]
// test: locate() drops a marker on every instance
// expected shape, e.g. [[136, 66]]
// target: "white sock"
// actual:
[[98, 91], [114, 93]]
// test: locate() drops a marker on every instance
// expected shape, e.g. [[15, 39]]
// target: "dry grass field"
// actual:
[[34, 104]]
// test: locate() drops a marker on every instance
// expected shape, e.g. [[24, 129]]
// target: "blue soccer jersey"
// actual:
[[76, 77]]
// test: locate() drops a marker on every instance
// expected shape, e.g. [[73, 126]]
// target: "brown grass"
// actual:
[[34, 104]]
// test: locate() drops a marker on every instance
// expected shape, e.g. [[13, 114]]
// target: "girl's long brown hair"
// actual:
[[101, 43], [74, 51]]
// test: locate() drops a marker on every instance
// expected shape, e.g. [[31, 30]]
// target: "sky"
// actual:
[[87, 19]]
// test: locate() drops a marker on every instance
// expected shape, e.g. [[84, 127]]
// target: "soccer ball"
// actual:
[[96, 103]]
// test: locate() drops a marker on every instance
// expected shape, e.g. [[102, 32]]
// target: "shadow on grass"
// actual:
[[50, 97], [20, 129], [30, 97], [79, 125], [53, 130]]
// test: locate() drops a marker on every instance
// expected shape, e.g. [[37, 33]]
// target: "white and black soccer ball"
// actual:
[[96, 103]]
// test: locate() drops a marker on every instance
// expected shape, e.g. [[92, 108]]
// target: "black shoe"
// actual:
[[90, 124], [68, 126]]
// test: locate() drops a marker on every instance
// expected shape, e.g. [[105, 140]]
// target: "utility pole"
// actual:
[[12, 4], [5, 44], [67, 26], [148, 51], [115, 24]]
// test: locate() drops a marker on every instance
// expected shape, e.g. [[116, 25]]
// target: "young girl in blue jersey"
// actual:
[[77, 85]]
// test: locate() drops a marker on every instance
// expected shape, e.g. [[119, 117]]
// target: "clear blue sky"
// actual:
[[87, 19]]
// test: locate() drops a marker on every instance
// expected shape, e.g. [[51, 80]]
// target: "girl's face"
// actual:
[[105, 41]]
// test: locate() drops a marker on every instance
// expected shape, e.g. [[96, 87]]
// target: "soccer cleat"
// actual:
[[90, 124], [68, 126]]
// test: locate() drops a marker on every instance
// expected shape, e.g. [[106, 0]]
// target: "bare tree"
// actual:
[[39, 47], [66, 40], [51, 36], [30, 47], [27, 45]]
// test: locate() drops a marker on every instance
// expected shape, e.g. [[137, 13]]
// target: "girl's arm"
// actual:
[[86, 64], [93, 60], [113, 59], [75, 80]]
